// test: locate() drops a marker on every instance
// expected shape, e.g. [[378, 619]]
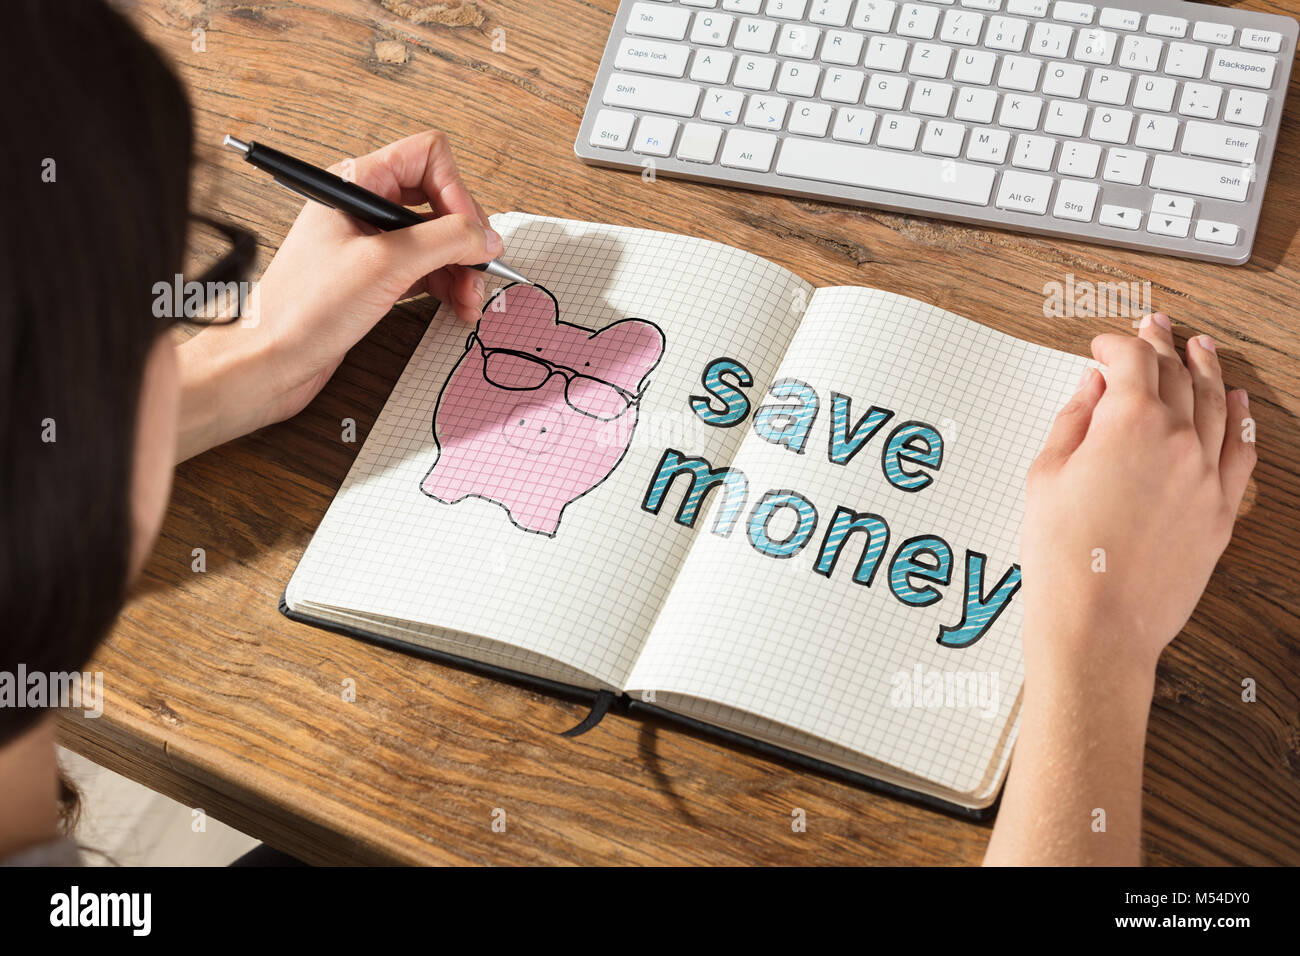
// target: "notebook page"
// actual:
[[416, 534], [840, 660]]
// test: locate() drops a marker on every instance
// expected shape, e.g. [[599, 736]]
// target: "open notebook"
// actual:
[[788, 515]]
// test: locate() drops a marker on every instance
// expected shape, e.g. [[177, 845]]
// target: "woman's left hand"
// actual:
[[330, 282]]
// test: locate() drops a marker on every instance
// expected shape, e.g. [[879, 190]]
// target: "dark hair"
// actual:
[[96, 152]]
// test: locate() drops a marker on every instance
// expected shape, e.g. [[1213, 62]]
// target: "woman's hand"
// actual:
[[330, 282], [1130, 504]]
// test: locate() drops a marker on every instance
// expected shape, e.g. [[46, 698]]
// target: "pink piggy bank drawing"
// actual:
[[537, 412]]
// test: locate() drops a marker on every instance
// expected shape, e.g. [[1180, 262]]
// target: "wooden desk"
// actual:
[[218, 701]]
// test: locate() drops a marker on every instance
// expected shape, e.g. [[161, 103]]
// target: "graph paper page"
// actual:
[[436, 544], [827, 656]]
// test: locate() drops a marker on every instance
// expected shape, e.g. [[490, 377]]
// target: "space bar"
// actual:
[[881, 169]]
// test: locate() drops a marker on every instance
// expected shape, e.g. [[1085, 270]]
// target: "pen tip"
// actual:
[[235, 143]]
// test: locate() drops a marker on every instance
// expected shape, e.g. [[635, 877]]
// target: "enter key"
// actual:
[[1220, 142]]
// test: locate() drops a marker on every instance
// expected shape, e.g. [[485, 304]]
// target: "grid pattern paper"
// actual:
[[747, 633], [464, 575]]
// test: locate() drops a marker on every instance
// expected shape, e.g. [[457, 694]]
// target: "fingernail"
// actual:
[[1161, 320], [479, 288], [1207, 343], [495, 244], [1146, 320], [1084, 379], [1245, 399]]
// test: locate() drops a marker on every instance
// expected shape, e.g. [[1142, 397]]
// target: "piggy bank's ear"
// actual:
[[631, 348], [515, 311]]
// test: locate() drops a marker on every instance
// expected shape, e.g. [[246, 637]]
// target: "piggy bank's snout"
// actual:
[[533, 428]]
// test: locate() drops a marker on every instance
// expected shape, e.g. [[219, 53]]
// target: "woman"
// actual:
[[97, 403]]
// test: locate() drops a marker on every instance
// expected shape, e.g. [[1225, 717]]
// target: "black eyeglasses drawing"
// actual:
[[519, 371]]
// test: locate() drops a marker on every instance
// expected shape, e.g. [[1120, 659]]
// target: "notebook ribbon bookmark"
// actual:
[[599, 708]]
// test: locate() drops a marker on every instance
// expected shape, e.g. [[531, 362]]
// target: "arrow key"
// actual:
[[1163, 225], [1173, 205], [1224, 233], [1121, 217]]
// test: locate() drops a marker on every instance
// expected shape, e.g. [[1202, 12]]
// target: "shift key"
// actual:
[[651, 94], [1201, 178]]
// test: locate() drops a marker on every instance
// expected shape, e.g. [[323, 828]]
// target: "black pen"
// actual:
[[337, 193]]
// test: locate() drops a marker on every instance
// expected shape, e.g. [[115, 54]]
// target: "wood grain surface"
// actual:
[[218, 701]]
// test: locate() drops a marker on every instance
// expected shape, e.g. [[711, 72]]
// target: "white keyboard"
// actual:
[[1150, 126]]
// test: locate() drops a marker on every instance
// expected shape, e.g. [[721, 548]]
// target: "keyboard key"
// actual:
[[918, 21], [1242, 69], [1006, 33], [651, 94], [1020, 112], [1051, 39], [943, 139], [711, 66], [886, 170], [712, 29], [612, 130], [988, 145], [1156, 132], [1155, 93], [766, 112], [974, 66], [754, 72], [746, 149], [722, 106], [1073, 12], [854, 126], [1186, 60], [843, 86], [786, 9], [1265, 40], [930, 99], [1163, 225], [832, 13], [1117, 19], [742, 6], [1224, 233], [1079, 159], [1220, 142], [655, 136], [1200, 177], [961, 27], [875, 16], [1121, 217], [651, 56], [1096, 46], [1110, 125], [899, 132], [1219, 33], [798, 41], [1024, 192], [1034, 152], [699, 143], [886, 53], [1200, 99], [975, 105], [653, 20], [1109, 86], [929, 59], [1064, 79], [1124, 166], [1141, 53], [810, 119], [842, 48], [1065, 119], [1028, 8], [797, 79], [1163, 26], [755, 36], [1173, 205], [1075, 200], [1246, 109], [886, 92], [1019, 73]]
